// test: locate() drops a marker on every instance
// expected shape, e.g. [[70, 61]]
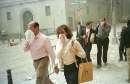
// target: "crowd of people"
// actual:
[[67, 48]]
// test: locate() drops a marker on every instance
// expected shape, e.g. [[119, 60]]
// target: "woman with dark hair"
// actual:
[[66, 50], [86, 44]]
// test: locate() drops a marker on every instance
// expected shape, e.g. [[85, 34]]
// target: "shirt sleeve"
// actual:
[[50, 52], [26, 46], [59, 52], [79, 50]]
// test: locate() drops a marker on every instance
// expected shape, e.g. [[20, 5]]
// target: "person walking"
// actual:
[[66, 50], [79, 32], [41, 52], [87, 45], [102, 34], [122, 48], [127, 44]]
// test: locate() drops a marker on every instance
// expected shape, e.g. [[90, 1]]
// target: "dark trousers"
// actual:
[[87, 48], [122, 52], [71, 74], [102, 48]]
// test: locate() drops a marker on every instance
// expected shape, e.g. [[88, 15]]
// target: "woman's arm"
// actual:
[[78, 49]]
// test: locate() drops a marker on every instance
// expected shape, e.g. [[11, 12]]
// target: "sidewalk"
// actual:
[[13, 57]]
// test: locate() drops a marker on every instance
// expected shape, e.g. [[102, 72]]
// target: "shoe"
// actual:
[[120, 60], [99, 66], [105, 64], [125, 58]]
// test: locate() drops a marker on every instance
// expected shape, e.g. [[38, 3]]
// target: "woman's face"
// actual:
[[62, 31], [103, 23], [89, 26]]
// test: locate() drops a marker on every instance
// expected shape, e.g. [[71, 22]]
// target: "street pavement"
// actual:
[[14, 58]]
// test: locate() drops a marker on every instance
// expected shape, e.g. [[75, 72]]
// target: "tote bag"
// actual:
[[85, 72]]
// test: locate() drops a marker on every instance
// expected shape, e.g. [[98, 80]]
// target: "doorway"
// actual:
[[27, 17]]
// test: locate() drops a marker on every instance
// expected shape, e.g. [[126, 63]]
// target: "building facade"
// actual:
[[15, 14]]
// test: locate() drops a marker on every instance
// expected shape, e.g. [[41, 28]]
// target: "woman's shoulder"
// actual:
[[74, 42]]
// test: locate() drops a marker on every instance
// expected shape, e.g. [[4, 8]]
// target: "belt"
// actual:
[[41, 58]]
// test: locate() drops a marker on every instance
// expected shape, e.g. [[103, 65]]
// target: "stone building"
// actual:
[[15, 14]]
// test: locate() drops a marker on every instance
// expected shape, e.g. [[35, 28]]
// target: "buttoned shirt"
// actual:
[[40, 47]]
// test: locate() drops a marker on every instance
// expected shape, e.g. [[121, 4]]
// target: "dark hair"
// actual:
[[79, 23], [124, 28], [36, 25], [128, 23], [89, 22], [67, 30], [103, 19]]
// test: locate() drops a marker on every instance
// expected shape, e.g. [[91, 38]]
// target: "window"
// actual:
[[70, 20], [8, 15], [47, 10]]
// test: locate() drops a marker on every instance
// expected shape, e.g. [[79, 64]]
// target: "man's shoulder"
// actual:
[[44, 37]]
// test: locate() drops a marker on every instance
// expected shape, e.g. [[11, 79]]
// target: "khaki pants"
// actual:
[[41, 67], [128, 59]]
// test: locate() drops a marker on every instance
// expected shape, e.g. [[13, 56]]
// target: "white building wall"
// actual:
[[0, 22], [15, 25]]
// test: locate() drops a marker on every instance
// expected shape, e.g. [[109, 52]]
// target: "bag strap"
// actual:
[[80, 57], [72, 43], [97, 28]]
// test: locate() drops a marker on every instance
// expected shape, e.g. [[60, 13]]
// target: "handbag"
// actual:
[[85, 69], [93, 38], [85, 72]]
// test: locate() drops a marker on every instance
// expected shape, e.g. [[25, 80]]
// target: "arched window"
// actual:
[[27, 17]]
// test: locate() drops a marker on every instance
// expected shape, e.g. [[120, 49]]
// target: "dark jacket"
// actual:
[[91, 31], [127, 37], [87, 47], [122, 36], [80, 32]]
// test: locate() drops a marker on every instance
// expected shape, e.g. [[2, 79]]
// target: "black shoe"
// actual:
[[120, 60], [125, 58], [105, 64], [89, 60], [99, 66]]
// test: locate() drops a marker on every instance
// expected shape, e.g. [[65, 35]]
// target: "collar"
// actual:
[[37, 36]]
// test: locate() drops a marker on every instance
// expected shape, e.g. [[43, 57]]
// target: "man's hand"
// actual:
[[26, 46], [56, 69]]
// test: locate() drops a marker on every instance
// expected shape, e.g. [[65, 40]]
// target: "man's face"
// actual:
[[103, 23], [90, 26], [31, 27]]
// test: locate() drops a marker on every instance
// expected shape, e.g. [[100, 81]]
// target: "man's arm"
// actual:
[[51, 53], [26, 46]]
